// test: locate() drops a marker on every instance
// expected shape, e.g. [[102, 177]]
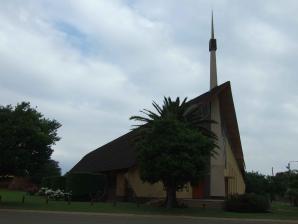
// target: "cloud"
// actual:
[[92, 64]]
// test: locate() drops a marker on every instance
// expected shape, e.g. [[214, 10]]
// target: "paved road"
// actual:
[[39, 217]]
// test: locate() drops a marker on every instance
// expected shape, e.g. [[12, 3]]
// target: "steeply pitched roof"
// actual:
[[228, 116], [120, 153]]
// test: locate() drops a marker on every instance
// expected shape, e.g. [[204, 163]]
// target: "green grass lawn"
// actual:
[[13, 200]]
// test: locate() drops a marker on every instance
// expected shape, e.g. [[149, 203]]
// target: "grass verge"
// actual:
[[13, 200]]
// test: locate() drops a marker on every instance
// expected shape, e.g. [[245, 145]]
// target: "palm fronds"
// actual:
[[182, 111]]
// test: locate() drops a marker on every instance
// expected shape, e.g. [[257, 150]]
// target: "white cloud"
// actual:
[[92, 64]]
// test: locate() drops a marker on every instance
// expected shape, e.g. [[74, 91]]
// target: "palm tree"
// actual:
[[184, 112], [196, 142]]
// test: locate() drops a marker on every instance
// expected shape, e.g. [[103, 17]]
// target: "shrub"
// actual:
[[53, 194], [292, 194], [42, 191], [5, 180], [20, 184], [247, 203], [83, 185], [55, 182]]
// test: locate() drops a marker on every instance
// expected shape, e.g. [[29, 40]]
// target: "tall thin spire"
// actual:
[[212, 26], [212, 49]]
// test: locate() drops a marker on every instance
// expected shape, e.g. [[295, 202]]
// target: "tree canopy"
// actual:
[[173, 146], [282, 185], [26, 140], [257, 183], [49, 169]]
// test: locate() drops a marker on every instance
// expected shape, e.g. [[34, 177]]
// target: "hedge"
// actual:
[[247, 203], [54, 183], [84, 185]]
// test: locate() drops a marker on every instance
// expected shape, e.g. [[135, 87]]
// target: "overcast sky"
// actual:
[[92, 64]]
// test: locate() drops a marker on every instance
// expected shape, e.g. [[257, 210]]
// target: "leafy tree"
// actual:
[[280, 183], [52, 168], [49, 169], [256, 183], [292, 191], [173, 146], [26, 138]]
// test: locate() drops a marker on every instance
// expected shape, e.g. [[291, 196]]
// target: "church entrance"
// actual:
[[198, 190]]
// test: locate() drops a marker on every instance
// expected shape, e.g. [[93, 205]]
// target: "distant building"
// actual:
[[117, 159]]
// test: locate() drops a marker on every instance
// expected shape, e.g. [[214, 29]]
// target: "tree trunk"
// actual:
[[171, 197]]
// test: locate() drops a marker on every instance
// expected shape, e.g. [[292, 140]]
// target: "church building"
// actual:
[[117, 159]]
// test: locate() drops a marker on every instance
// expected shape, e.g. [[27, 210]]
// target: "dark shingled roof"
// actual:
[[120, 153], [115, 155]]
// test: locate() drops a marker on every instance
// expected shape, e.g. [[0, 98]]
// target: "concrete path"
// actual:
[[45, 217]]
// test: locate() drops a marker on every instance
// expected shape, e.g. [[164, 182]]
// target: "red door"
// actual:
[[198, 191]]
